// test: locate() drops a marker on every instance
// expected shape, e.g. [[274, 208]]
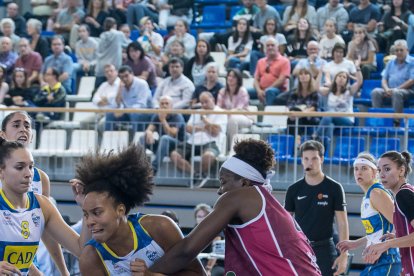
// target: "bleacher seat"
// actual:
[[114, 140], [214, 16], [380, 66], [346, 150], [220, 59], [379, 126], [366, 90], [81, 142], [80, 119], [379, 146], [134, 35], [52, 141], [85, 90], [272, 123], [234, 10], [283, 146]]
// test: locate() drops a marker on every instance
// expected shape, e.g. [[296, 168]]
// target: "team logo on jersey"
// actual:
[[152, 255], [322, 196], [36, 220], [7, 218], [119, 268]]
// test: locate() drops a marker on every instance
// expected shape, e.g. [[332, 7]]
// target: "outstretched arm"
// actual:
[[187, 249]]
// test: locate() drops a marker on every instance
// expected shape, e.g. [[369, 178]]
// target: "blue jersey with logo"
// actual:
[[145, 248], [20, 232]]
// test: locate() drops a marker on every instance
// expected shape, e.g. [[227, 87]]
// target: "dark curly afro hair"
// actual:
[[125, 175]]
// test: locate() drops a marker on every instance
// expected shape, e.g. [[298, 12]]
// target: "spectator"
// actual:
[[141, 65], [363, 47], [333, 9], [195, 69], [7, 57], [211, 84], [272, 76], [4, 87], [19, 21], [397, 80], [7, 28], [86, 51], [394, 25], [38, 43], [126, 31], [176, 50], [181, 33], [296, 44], [329, 39], [338, 64], [105, 96], [234, 97], [42, 10], [20, 93], [270, 29], [171, 11], [340, 99], [367, 14], [312, 62], [53, 94], [133, 93], [177, 86], [109, 49], [299, 9], [164, 133], [29, 60], [248, 11], [61, 62], [151, 41], [96, 13], [205, 132], [239, 46], [266, 12], [305, 99], [303, 201], [137, 11], [68, 17]]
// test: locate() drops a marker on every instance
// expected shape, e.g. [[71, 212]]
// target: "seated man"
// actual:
[[272, 76], [397, 80], [164, 132], [205, 131], [133, 93]]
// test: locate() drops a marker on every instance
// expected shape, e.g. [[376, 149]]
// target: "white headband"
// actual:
[[363, 161], [245, 170]]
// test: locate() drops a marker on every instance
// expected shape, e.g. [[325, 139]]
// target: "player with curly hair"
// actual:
[[122, 244]]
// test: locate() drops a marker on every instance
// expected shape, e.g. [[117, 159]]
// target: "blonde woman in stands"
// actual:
[[377, 209], [26, 215], [17, 126], [394, 168]]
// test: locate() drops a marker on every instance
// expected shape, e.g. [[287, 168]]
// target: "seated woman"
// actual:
[[296, 44], [141, 65], [340, 99], [181, 29], [329, 39], [96, 13], [240, 44], [299, 9], [364, 47], [234, 97], [151, 41], [305, 99], [19, 94], [195, 69], [51, 95], [113, 184], [175, 50]]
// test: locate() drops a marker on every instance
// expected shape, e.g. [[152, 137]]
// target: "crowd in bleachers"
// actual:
[[305, 55]]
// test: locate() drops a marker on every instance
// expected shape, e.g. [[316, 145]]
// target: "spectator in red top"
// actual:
[[29, 60], [272, 76]]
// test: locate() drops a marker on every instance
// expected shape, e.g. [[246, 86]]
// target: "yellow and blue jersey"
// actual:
[[21, 230], [36, 186], [145, 248]]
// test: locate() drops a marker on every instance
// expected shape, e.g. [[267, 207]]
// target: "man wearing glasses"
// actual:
[[397, 80], [271, 79], [29, 60]]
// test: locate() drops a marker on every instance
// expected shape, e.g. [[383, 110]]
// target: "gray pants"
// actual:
[[398, 97]]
